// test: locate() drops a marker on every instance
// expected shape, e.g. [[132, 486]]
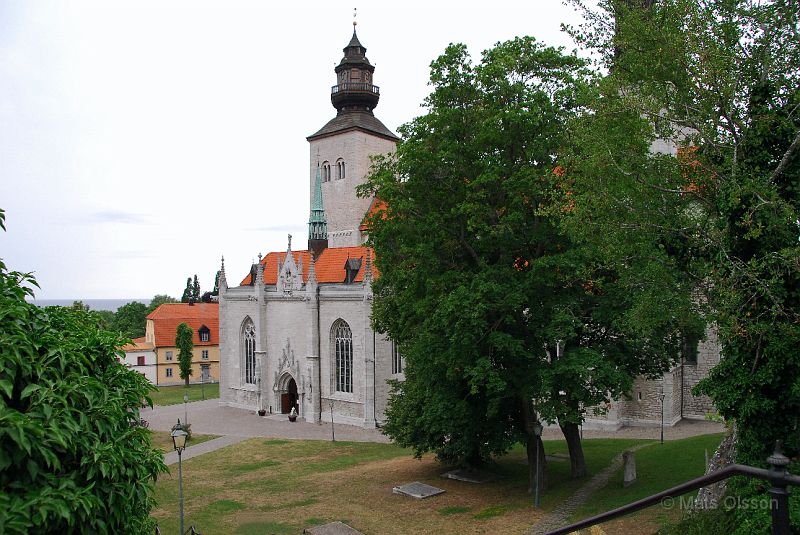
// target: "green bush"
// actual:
[[72, 459], [703, 522]]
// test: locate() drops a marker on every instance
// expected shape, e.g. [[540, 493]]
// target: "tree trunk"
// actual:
[[187, 380], [531, 420], [577, 461]]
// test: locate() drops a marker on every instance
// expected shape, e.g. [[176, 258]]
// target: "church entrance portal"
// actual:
[[289, 398]]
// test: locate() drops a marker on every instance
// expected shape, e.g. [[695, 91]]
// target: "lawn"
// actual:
[[172, 395], [281, 486], [658, 467], [162, 440]]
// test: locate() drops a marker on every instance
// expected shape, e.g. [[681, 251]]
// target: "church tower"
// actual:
[[340, 150]]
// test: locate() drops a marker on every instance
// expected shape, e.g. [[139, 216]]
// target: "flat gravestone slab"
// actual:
[[418, 490], [470, 476], [334, 528]]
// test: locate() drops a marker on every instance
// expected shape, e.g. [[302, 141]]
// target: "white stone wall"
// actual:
[[383, 373], [342, 302], [235, 305], [286, 332], [149, 369], [343, 209]]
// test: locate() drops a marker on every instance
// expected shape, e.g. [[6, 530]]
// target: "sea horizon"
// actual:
[[93, 304]]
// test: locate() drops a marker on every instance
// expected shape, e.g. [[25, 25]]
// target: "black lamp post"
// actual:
[[537, 430], [333, 433], [661, 396], [179, 443], [185, 413]]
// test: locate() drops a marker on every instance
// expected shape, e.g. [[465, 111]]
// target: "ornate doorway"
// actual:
[[289, 397]]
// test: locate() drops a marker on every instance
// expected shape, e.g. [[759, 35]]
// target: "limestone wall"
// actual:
[[708, 356], [344, 210]]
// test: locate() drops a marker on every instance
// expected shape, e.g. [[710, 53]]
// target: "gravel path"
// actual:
[[558, 517]]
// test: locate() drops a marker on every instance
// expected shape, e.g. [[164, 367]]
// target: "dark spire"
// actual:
[[354, 90]]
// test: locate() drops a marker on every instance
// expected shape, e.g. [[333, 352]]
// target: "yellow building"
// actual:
[[162, 326]]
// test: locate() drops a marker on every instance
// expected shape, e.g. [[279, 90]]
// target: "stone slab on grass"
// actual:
[[470, 476], [418, 490], [334, 528]]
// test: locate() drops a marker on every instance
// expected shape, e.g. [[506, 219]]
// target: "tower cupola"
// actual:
[[354, 90]]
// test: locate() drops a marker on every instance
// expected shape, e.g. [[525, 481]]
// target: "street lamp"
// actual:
[[179, 443], [537, 431], [333, 433], [661, 397], [185, 414]]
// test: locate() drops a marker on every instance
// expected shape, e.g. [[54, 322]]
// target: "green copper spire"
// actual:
[[317, 225]]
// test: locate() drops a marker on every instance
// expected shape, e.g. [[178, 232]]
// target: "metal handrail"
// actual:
[[356, 86], [777, 476]]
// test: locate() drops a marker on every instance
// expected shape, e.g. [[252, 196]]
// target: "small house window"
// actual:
[[340, 169], [169, 355], [169, 372], [326, 171], [204, 354], [205, 333], [140, 361]]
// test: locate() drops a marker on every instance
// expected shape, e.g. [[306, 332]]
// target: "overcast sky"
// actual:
[[141, 141]]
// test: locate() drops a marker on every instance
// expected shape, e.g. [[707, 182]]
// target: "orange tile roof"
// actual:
[[376, 206], [329, 266], [168, 316], [138, 344]]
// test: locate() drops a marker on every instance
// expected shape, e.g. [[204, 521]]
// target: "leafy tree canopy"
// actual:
[[72, 459], [159, 300], [130, 319], [694, 143], [478, 283]]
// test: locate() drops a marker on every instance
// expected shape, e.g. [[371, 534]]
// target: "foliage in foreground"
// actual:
[[718, 82], [71, 460]]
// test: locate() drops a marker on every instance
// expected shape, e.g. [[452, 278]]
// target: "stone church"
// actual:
[[295, 332]]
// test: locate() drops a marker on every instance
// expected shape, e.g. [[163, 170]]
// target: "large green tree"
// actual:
[[478, 284], [183, 341], [130, 319], [72, 459], [159, 300], [714, 88], [187, 292]]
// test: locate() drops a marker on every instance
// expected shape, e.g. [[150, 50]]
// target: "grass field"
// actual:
[[172, 395], [162, 440], [658, 467], [281, 486]]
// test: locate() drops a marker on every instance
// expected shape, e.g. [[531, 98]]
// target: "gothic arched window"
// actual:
[[340, 171], [249, 351], [342, 338], [326, 171]]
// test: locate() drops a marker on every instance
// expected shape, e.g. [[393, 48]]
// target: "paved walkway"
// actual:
[[208, 418]]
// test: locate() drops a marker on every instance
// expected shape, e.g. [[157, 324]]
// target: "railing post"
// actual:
[[779, 496]]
